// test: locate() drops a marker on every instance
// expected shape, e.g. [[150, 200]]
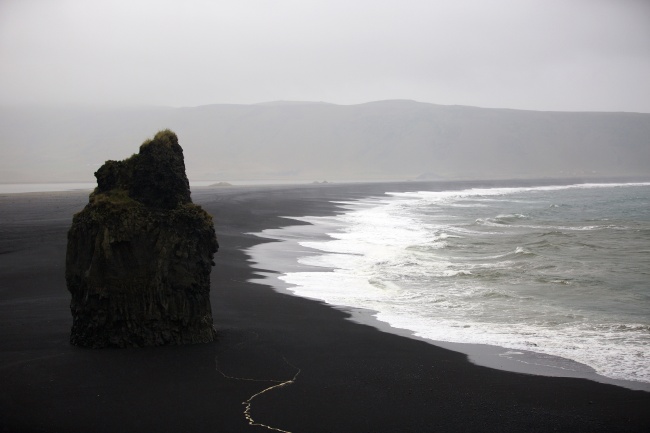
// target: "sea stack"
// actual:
[[140, 254]]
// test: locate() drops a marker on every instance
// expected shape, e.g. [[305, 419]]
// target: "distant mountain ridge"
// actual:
[[288, 140]]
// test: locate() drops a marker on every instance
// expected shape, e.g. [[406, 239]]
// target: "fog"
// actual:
[[578, 55], [83, 81], [386, 140]]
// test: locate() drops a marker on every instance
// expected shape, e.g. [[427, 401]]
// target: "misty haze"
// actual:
[[302, 141], [324, 216]]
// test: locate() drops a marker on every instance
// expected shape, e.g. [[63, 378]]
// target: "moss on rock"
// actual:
[[140, 254]]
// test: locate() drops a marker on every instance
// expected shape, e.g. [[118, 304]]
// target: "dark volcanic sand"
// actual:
[[351, 377]]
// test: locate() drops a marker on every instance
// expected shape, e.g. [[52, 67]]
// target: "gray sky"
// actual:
[[586, 55]]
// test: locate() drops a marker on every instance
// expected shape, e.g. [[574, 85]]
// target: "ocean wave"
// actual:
[[491, 192], [555, 233], [563, 282], [501, 220], [543, 243], [642, 329], [457, 273], [519, 251], [486, 222], [496, 294], [508, 217], [426, 248], [528, 278], [509, 223]]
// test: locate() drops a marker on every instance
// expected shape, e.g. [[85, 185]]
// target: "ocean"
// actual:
[[561, 271]]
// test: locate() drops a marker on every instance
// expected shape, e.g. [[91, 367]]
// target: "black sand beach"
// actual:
[[330, 374]]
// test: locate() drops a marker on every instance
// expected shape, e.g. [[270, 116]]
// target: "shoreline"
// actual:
[[50, 187], [352, 377], [280, 257]]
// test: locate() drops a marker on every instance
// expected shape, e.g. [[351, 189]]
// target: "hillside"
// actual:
[[309, 141]]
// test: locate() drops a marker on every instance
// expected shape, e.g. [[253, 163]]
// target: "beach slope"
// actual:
[[281, 362]]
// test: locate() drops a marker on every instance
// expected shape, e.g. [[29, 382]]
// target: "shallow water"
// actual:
[[558, 270]]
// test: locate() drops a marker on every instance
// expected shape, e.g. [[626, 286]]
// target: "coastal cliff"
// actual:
[[140, 254]]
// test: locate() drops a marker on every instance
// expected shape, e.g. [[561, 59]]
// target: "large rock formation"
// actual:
[[140, 254]]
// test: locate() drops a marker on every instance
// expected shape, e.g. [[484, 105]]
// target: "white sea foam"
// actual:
[[426, 265]]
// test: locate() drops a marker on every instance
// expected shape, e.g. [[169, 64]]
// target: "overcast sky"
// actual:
[[568, 55]]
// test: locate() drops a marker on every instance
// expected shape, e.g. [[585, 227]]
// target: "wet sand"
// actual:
[[325, 373]]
